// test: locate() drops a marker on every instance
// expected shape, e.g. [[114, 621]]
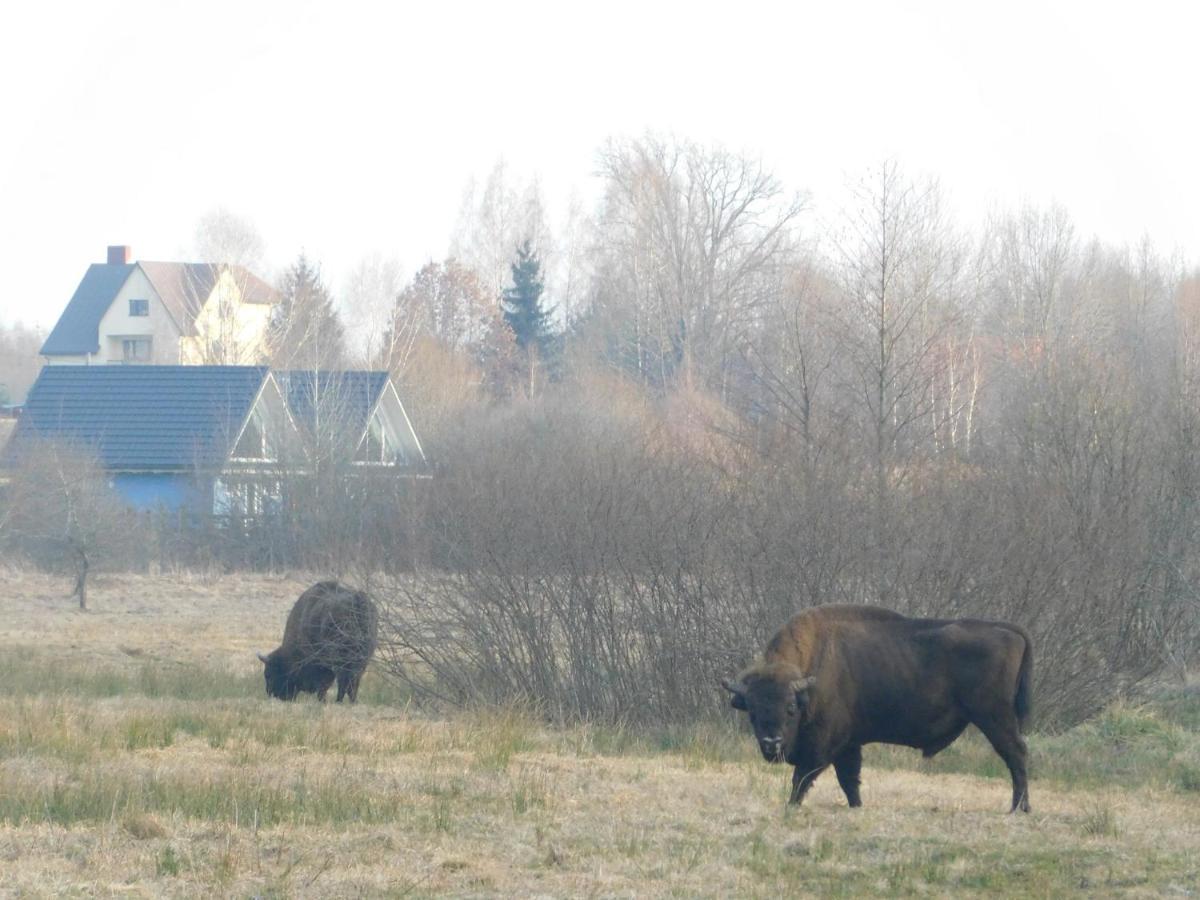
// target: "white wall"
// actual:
[[117, 324], [238, 328]]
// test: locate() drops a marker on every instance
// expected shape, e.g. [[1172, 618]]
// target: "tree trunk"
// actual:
[[81, 581]]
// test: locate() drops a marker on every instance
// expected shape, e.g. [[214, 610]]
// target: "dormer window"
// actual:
[[139, 307]]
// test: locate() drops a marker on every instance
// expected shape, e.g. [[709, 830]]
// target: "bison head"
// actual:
[[278, 676], [777, 699]]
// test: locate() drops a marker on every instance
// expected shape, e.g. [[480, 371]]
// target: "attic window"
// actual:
[[251, 444], [139, 307], [374, 445]]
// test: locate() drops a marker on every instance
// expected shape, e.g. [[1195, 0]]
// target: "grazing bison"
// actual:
[[330, 634], [837, 677]]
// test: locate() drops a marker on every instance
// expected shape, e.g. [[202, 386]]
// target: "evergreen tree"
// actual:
[[305, 331], [522, 303]]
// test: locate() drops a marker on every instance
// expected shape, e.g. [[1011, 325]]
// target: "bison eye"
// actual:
[[791, 709]]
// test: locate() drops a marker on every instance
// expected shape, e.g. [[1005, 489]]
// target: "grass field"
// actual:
[[139, 757]]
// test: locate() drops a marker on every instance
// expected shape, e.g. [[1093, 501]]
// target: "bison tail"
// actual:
[[1023, 702]]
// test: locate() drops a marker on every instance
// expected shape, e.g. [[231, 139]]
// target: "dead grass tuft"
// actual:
[[144, 826]]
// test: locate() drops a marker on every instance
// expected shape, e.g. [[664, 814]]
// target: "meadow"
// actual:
[[140, 757]]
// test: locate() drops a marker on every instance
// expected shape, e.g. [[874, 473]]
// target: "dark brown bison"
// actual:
[[837, 677], [330, 634]]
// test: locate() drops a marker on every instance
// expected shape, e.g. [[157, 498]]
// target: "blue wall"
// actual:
[[152, 491]]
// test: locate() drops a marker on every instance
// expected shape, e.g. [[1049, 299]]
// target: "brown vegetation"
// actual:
[[139, 755]]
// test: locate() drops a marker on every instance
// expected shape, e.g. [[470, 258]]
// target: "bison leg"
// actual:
[[347, 686], [323, 685], [802, 779], [848, 765], [1005, 738]]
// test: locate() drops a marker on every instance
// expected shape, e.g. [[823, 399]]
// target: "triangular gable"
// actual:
[[184, 288], [335, 410], [390, 409]]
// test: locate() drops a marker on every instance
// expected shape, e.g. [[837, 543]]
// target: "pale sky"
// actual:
[[351, 128]]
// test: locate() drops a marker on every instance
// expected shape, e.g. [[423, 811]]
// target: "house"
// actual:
[[212, 439], [354, 416], [162, 313]]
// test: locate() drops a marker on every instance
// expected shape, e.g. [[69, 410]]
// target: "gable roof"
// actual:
[[78, 328], [141, 417], [337, 407], [351, 395], [182, 287]]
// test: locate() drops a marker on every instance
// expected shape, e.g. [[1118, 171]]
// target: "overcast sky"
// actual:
[[351, 128]]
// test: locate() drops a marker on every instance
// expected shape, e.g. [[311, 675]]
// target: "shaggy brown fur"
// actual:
[[834, 678], [330, 634]]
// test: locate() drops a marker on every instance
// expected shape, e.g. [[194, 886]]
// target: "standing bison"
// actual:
[[837, 677], [330, 634]]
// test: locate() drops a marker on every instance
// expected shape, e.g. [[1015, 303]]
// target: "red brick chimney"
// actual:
[[119, 254]]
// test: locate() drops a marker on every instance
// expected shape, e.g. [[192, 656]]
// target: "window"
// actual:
[[251, 444], [374, 446], [136, 350], [139, 307]]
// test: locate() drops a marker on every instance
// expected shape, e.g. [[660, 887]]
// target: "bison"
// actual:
[[834, 678], [330, 634]]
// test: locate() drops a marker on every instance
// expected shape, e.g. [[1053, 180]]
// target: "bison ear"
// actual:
[[738, 700]]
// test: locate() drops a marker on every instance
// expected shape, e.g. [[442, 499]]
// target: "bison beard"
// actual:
[[330, 635], [837, 677]]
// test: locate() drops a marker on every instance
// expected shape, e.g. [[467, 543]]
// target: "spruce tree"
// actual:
[[305, 330], [522, 303]]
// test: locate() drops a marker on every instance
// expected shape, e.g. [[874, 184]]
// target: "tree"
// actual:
[[228, 330], [688, 241], [492, 221], [224, 237], [20, 361], [369, 298], [63, 514], [445, 301], [522, 304], [524, 313], [305, 330]]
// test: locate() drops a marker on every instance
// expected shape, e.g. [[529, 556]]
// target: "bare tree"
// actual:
[[20, 361], [64, 516], [494, 220], [222, 236], [685, 237], [369, 300], [230, 303]]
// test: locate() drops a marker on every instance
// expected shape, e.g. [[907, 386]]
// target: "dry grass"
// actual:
[[138, 757]]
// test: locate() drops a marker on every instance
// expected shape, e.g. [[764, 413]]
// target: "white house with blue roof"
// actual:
[[204, 438], [217, 439], [155, 313]]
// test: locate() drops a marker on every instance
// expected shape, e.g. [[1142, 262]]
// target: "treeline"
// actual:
[[661, 426]]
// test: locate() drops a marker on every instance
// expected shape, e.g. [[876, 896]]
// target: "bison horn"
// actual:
[[803, 684], [262, 656], [734, 687]]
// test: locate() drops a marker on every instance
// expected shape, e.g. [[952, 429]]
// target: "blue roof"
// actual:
[[141, 417], [350, 396], [78, 328]]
